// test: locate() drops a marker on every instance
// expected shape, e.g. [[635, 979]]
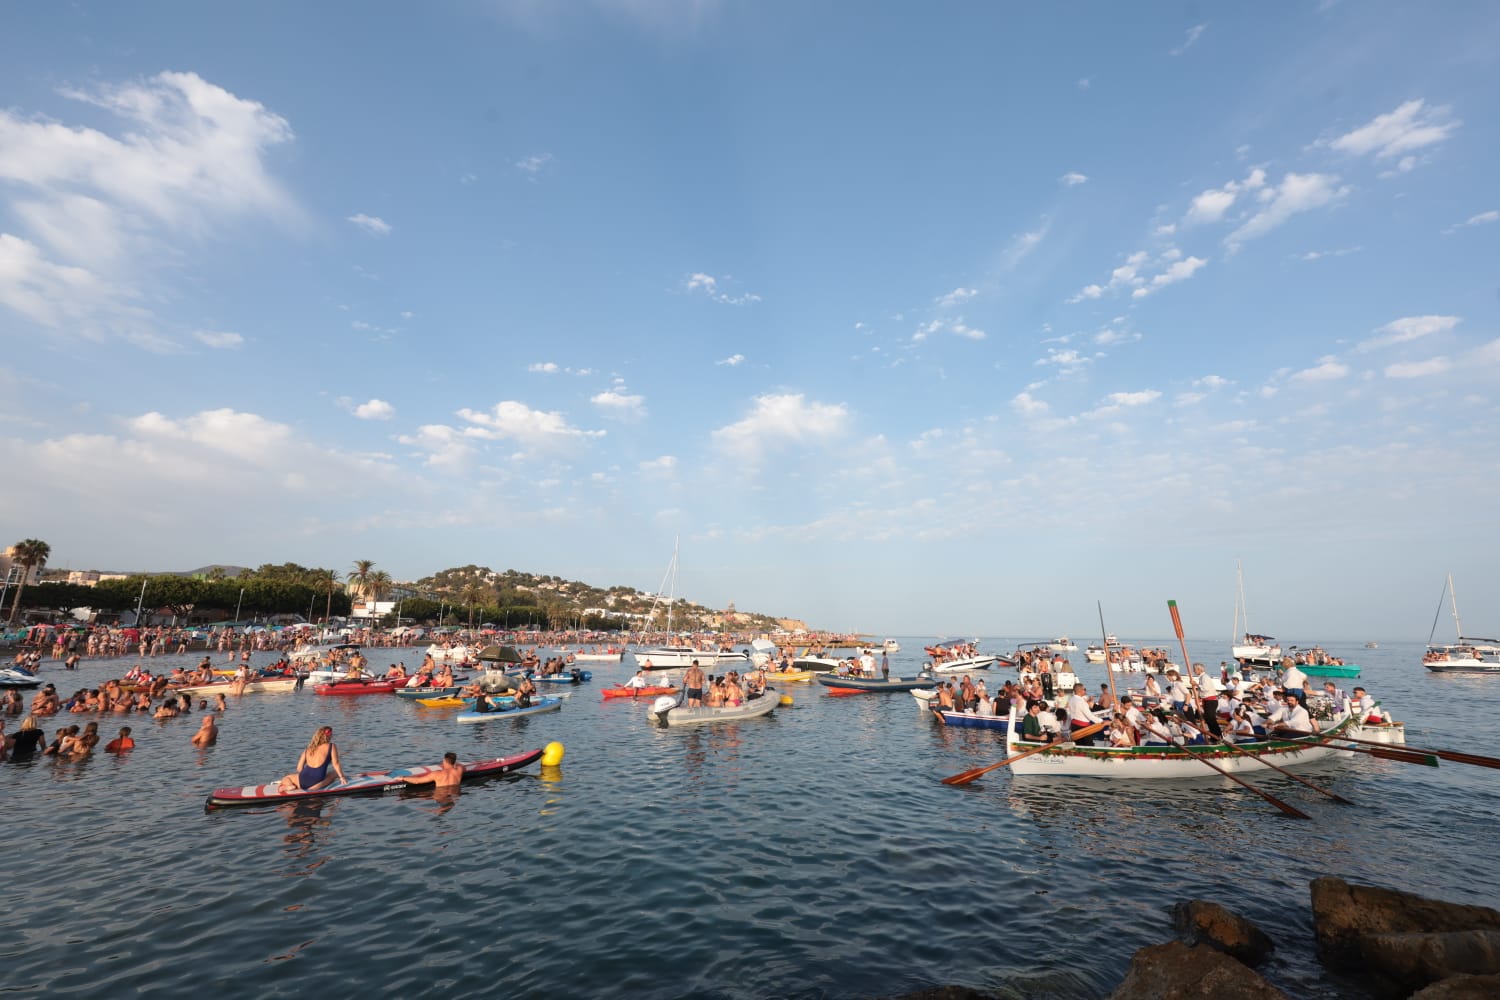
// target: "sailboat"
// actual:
[[1467, 653], [1255, 649], [676, 657]]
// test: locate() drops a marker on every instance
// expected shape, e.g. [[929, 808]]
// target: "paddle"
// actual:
[[968, 776], [1478, 760], [1295, 777], [1387, 753]]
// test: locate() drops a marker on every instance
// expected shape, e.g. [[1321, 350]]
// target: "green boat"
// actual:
[[1341, 670]]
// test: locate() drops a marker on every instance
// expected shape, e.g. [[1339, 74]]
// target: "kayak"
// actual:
[[571, 678], [422, 693], [454, 701], [371, 781], [643, 692], [837, 681], [543, 705], [792, 676], [356, 687]]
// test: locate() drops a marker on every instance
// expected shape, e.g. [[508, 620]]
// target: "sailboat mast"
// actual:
[[1458, 626]]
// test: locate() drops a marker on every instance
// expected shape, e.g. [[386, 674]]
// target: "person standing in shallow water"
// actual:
[[207, 734]]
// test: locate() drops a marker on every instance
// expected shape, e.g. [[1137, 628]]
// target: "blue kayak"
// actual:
[[576, 677], [536, 708]]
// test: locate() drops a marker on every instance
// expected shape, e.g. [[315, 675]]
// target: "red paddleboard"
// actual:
[[371, 781]]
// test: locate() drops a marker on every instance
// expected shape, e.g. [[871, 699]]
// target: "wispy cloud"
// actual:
[[544, 367], [375, 409], [1021, 247], [618, 402], [957, 327], [531, 166], [1407, 329], [1419, 369], [709, 285], [1193, 34], [372, 224], [956, 297], [733, 361], [780, 420], [1170, 267], [1177, 271], [1320, 254], [1297, 193], [1326, 370], [1482, 219], [218, 340], [1211, 205], [1073, 178], [535, 430], [1413, 125]]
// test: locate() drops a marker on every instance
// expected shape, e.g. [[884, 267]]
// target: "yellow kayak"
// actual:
[[451, 701], [793, 676]]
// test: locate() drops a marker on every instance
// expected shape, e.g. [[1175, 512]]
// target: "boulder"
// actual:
[[1176, 971], [1461, 987], [1414, 960], [1344, 913], [1199, 921]]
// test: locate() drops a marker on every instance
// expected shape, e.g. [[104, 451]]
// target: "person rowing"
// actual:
[[1032, 730], [1295, 719], [1080, 715], [313, 766]]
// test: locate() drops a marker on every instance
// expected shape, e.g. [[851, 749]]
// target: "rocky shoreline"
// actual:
[[1387, 943]]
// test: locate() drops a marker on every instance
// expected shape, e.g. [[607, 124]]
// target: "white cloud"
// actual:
[[544, 367], [1297, 193], [1179, 271], [374, 409], [619, 403], [666, 465], [1029, 406], [535, 429], [113, 213], [1341, 252], [733, 361], [407, 314], [219, 340], [1211, 382], [1418, 369], [1407, 329], [1066, 360], [1326, 370], [245, 436], [956, 297], [709, 285], [1113, 335], [1211, 205], [1073, 178], [779, 420], [372, 224], [1413, 125], [1084, 83], [1193, 34], [1482, 219], [533, 165], [955, 326], [1022, 246], [445, 447], [1486, 354]]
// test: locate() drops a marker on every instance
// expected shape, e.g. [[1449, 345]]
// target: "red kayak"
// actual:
[[356, 687], [373, 781], [629, 692], [844, 692]]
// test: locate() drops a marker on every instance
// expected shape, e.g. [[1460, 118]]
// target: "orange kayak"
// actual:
[[629, 692]]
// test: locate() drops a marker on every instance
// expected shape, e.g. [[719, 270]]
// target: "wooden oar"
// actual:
[[1285, 807], [1384, 753], [1478, 760], [1295, 777], [968, 776]]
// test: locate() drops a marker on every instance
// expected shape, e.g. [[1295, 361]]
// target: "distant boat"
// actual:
[[1372, 645], [1062, 644], [1259, 649], [1467, 654]]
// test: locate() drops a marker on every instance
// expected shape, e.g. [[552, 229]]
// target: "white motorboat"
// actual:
[[1062, 644], [962, 664], [677, 657], [667, 711], [1466, 654], [1093, 653], [442, 653]]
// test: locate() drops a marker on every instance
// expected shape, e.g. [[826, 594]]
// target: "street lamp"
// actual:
[[236, 604], [139, 601]]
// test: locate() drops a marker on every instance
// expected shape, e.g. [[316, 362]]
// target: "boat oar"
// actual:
[[1382, 753], [1295, 777], [1285, 807], [968, 776], [1478, 760]]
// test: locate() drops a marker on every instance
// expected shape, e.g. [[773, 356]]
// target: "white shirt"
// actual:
[[636, 682], [1079, 711], [1177, 691], [1293, 678], [1298, 719], [1208, 685]]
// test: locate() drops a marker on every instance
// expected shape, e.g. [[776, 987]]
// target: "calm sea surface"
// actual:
[[809, 854]]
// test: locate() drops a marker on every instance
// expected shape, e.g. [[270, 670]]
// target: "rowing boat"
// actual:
[[353, 687], [227, 687], [1154, 761], [970, 720], [370, 781], [790, 676]]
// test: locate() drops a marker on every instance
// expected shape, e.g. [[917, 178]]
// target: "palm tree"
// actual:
[[471, 595], [328, 581], [27, 554], [360, 577], [378, 584]]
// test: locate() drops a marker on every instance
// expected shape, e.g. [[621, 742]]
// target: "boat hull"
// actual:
[[968, 720], [265, 685], [544, 705], [675, 659], [966, 663], [354, 688], [645, 692], [875, 683], [683, 716]]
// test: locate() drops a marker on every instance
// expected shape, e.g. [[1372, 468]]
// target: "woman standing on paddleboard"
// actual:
[[313, 765]]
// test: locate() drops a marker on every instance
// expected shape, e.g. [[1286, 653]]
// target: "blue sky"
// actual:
[[905, 318]]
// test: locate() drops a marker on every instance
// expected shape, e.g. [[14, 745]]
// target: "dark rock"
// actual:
[[1461, 987], [1199, 921], [1344, 913], [1175, 971], [1414, 960]]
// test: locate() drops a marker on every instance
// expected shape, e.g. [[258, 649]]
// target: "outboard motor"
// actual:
[[661, 706]]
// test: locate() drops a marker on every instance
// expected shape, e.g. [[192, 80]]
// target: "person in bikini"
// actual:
[[313, 766]]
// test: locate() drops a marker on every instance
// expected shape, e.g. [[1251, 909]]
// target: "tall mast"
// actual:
[[1458, 626]]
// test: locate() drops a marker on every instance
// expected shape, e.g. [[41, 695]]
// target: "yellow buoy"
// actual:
[[552, 754], [786, 699]]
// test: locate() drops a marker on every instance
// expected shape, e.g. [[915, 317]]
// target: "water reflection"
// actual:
[[307, 827]]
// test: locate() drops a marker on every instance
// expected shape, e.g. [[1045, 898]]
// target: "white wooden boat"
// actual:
[[1158, 761], [666, 711], [1378, 732], [259, 686], [615, 657]]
